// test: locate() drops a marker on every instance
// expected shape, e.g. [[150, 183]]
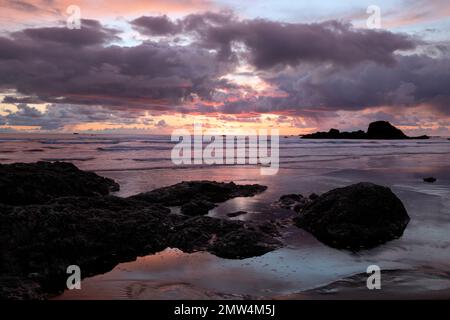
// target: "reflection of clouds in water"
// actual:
[[189, 274]]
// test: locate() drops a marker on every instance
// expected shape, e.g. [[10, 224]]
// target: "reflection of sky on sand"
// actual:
[[283, 271]]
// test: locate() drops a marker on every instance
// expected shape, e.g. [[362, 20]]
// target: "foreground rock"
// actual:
[[236, 214], [30, 183], [189, 191], [381, 130], [197, 207], [287, 201], [224, 238], [294, 201], [39, 241], [359, 216]]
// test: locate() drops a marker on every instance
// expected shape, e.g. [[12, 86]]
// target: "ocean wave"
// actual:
[[66, 142], [69, 159], [151, 159], [132, 148]]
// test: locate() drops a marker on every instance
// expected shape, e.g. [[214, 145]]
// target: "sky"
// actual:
[[156, 66]]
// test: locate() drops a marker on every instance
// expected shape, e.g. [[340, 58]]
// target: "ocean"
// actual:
[[417, 264]]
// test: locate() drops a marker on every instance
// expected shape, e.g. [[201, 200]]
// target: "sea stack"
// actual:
[[378, 130]]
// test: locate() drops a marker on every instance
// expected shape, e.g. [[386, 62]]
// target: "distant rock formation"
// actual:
[[379, 130]]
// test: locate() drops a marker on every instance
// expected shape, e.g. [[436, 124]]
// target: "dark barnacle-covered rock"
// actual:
[[362, 215]]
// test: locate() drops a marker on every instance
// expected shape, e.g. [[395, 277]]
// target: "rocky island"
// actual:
[[379, 130]]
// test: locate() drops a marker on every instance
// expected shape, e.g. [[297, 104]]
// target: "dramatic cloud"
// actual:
[[156, 25], [57, 116], [92, 33], [326, 42], [60, 65], [413, 80], [26, 116], [77, 66], [271, 43], [218, 65]]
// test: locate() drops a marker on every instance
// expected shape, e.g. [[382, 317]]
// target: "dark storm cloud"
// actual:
[[91, 33], [56, 116], [77, 66], [197, 22], [159, 25], [413, 80], [203, 21], [270, 43], [26, 116], [326, 66], [330, 41], [16, 100]]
